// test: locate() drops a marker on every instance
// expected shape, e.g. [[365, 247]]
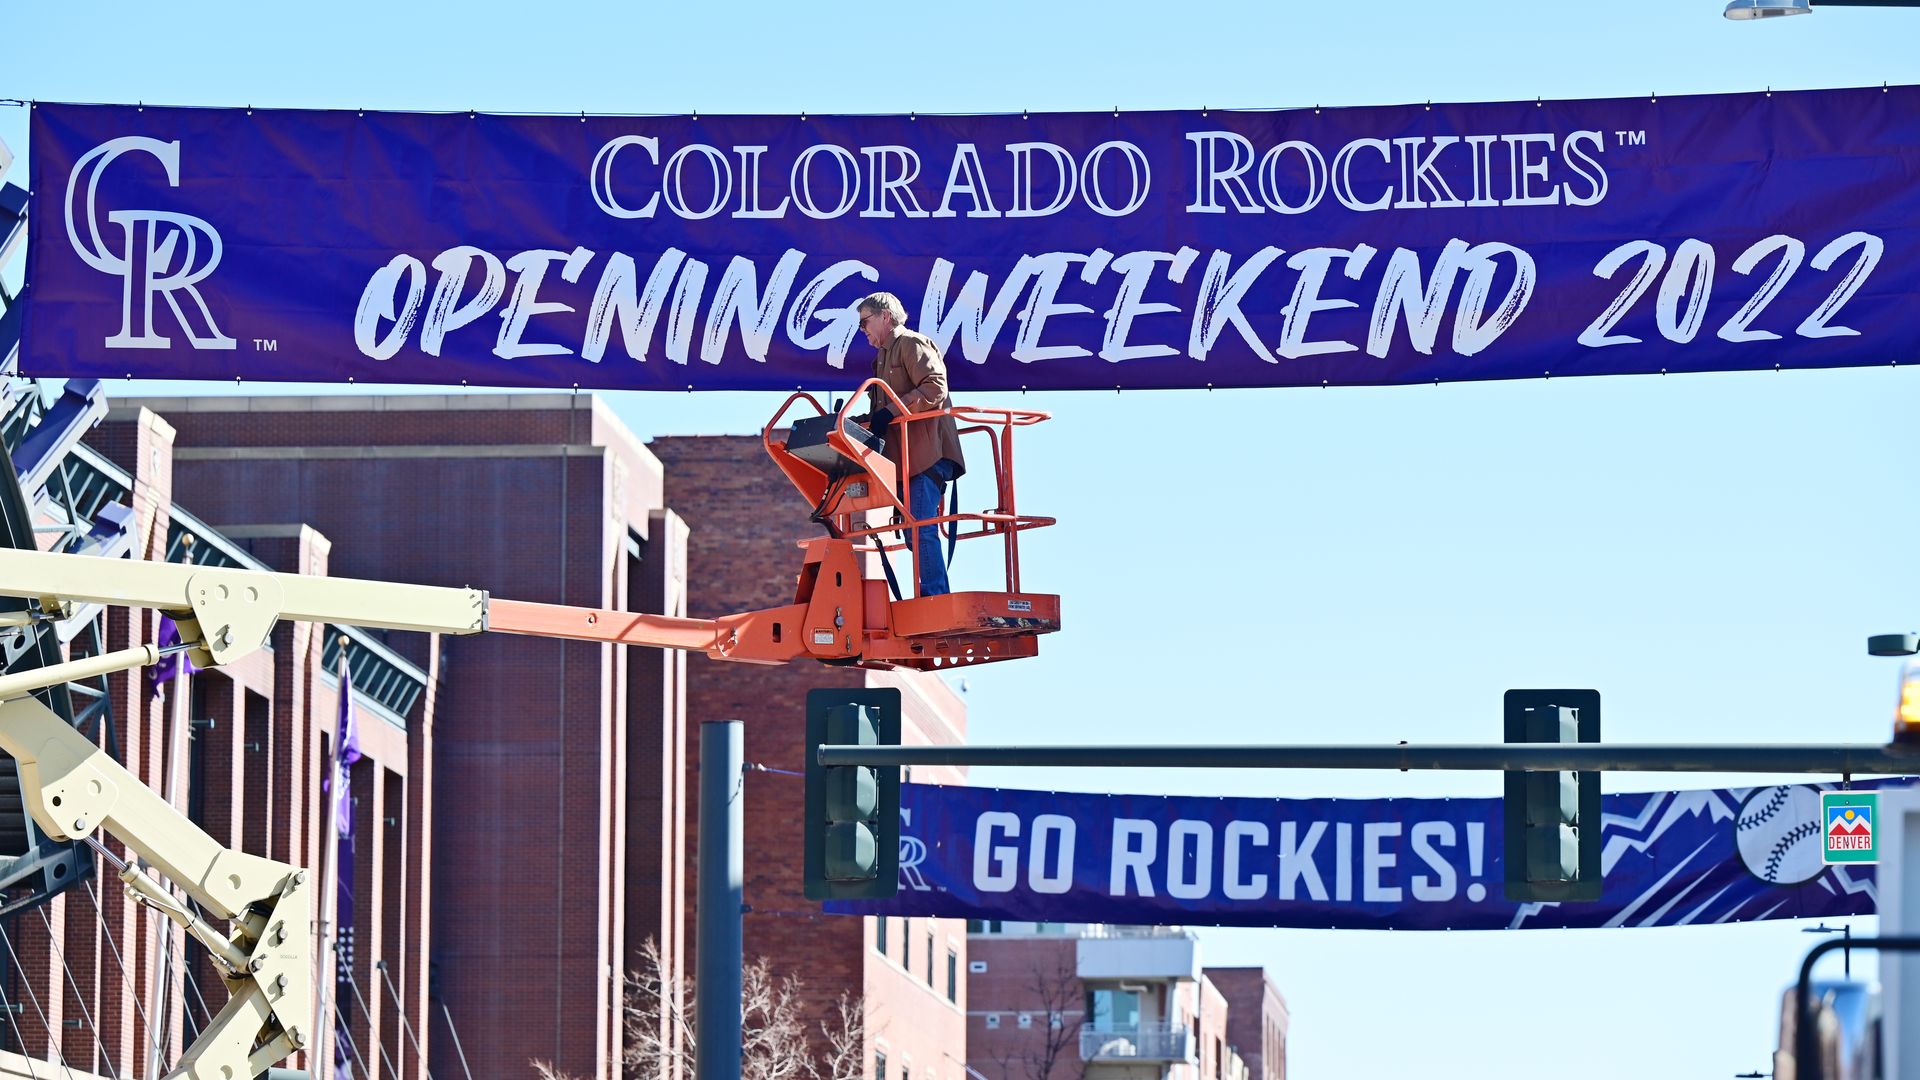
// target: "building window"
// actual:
[[976, 926], [929, 958], [1113, 1010], [906, 939], [1025, 1020], [993, 1021], [953, 976], [1219, 1058], [880, 1065], [880, 934]]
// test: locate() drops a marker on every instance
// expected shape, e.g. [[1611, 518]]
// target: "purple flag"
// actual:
[[346, 752], [172, 666]]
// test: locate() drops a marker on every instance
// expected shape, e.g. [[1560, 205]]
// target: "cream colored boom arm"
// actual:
[[72, 787], [236, 609]]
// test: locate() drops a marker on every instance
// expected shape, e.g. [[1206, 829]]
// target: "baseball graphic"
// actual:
[[1778, 833]]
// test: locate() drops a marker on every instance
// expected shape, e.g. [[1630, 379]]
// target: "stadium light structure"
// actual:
[[1743, 10]]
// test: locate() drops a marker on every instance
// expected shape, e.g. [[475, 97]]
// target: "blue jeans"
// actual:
[[923, 498]]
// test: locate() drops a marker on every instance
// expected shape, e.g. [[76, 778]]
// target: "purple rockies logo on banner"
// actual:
[[1301, 247], [1668, 859]]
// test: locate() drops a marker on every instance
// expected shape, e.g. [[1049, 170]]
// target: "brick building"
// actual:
[[1066, 1001], [241, 751], [546, 499], [562, 773], [743, 518], [1256, 1019]]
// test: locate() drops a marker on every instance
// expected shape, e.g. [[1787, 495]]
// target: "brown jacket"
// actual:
[[912, 368]]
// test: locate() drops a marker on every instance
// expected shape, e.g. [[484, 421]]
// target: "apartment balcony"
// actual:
[[1122, 954], [1143, 1043]]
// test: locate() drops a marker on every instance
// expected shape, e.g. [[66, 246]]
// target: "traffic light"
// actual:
[[1552, 819], [852, 843]]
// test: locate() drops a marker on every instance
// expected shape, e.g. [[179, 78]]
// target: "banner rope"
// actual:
[[53, 941], [400, 1010], [379, 1044], [114, 947], [53, 1042]]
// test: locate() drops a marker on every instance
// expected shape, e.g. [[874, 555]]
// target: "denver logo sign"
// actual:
[[1849, 826]]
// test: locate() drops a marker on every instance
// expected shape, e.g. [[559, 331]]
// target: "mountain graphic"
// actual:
[[1858, 825]]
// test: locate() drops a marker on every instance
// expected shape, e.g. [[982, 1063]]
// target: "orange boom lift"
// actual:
[[842, 612]]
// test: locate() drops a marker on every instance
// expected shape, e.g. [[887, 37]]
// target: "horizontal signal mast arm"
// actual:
[[1843, 759]]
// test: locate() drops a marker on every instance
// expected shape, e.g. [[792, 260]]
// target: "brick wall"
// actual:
[[1032, 978], [1256, 1019], [238, 750], [532, 498], [744, 520]]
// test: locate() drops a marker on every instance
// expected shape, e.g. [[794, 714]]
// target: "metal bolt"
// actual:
[[256, 964], [79, 825], [300, 877], [280, 983], [297, 1036]]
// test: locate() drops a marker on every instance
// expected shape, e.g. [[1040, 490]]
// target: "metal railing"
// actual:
[[380, 675], [1140, 1042], [1106, 930]]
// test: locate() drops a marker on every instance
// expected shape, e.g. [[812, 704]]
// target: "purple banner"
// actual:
[[346, 755], [1299, 247], [1669, 858]]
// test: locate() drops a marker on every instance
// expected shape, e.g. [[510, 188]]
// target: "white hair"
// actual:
[[886, 302]]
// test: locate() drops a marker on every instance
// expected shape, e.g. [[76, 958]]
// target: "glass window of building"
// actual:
[[1113, 1010]]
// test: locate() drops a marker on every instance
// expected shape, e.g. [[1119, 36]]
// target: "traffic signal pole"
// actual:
[[719, 956], [1842, 759]]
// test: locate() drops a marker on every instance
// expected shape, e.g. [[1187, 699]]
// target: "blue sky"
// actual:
[[1280, 566]]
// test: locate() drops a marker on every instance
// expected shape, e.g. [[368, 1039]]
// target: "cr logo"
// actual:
[[162, 254], [913, 852]]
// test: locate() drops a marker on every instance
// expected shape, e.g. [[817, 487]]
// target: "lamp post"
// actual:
[[1767, 9], [1846, 949]]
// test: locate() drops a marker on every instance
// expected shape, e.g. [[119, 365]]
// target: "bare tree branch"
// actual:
[[846, 1039], [1057, 991], [660, 1036]]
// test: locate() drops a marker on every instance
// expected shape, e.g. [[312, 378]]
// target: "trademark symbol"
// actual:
[[1630, 138], [266, 344]]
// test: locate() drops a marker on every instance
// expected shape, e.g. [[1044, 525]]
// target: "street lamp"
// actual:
[[1846, 951], [1767, 9]]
